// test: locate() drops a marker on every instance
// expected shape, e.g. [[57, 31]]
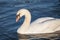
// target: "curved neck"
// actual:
[[26, 23]]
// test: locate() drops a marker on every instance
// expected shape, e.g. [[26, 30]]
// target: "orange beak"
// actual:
[[17, 18]]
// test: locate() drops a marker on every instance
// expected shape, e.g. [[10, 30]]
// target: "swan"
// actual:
[[41, 25]]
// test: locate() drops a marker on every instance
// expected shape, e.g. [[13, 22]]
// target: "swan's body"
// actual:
[[41, 25], [46, 27]]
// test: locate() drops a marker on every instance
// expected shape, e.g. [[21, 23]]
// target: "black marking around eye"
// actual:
[[18, 15]]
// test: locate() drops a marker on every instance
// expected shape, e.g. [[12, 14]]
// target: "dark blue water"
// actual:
[[38, 8]]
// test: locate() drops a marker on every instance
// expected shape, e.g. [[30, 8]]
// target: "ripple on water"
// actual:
[[9, 8]]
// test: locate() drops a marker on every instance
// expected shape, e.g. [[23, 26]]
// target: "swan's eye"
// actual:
[[18, 16]]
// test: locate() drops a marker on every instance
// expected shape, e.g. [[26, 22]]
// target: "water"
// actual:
[[38, 8]]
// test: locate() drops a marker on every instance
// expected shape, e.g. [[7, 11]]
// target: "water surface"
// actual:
[[38, 9]]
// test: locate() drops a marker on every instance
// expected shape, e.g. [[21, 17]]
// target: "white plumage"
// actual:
[[41, 25]]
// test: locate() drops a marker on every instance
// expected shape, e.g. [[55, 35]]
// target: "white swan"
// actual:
[[41, 25]]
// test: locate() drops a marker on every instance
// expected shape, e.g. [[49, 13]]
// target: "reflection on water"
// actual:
[[38, 8]]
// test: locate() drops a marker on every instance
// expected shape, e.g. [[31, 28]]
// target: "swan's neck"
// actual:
[[25, 26]]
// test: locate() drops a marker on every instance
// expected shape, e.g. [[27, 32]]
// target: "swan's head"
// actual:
[[21, 13]]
